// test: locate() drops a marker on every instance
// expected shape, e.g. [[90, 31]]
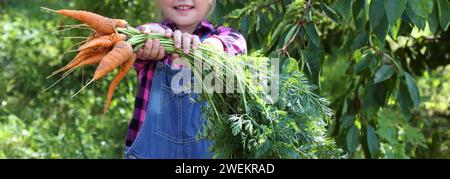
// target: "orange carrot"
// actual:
[[104, 41], [121, 52], [94, 59], [83, 55], [93, 36], [121, 23], [124, 69], [102, 25], [90, 60]]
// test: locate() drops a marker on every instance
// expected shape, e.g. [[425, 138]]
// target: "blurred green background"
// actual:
[[54, 125]]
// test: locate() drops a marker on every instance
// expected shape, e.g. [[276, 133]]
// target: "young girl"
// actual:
[[165, 124]]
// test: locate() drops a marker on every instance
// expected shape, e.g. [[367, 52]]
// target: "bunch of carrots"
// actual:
[[112, 46], [105, 47]]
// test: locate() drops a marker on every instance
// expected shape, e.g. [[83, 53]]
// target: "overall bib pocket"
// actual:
[[178, 116]]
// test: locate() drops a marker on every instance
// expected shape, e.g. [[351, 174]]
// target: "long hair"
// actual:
[[211, 8]]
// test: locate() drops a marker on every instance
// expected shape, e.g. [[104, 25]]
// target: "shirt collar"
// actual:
[[203, 27]]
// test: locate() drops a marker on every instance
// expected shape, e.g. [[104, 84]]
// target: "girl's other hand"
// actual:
[[153, 49], [185, 41]]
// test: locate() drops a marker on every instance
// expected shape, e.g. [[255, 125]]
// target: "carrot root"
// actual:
[[124, 69], [59, 80], [84, 87]]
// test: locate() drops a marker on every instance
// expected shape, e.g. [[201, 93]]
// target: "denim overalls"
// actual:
[[172, 123]]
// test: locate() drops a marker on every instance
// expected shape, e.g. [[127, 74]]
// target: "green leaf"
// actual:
[[360, 40], [394, 10], [347, 121], [313, 35], [444, 13], [290, 66], [413, 90], [360, 22], [363, 63], [237, 13], [373, 66], [358, 7], [333, 15], [388, 118], [404, 100], [394, 30], [422, 8], [374, 98], [352, 139], [343, 8], [381, 32], [388, 133], [290, 34], [376, 13], [413, 135], [433, 21], [372, 140], [384, 73], [313, 56], [245, 26], [420, 22], [279, 30]]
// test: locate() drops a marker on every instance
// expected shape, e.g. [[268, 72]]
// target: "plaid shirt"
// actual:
[[233, 42]]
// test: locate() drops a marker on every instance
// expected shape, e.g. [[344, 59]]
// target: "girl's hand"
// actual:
[[153, 49], [185, 41]]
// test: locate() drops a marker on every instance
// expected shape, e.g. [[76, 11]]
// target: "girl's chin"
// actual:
[[183, 21]]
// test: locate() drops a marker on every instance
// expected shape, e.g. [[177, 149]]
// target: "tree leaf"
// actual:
[[404, 100], [290, 34], [372, 140], [420, 22], [413, 90], [413, 135], [290, 66], [333, 15], [343, 8], [381, 31], [360, 40], [313, 35], [444, 13], [236, 13], [352, 139], [313, 56], [376, 13], [384, 73], [363, 63], [388, 133], [394, 10], [347, 121], [433, 21], [422, 8], [394, 30], [245, 26], [374, 98], [358, 7]]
